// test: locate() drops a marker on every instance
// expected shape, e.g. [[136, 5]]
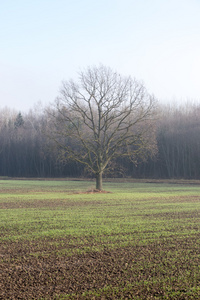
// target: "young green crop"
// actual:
[[49, 209], [151, 231]]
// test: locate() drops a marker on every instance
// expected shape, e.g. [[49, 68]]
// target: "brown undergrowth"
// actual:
[[94, 191]]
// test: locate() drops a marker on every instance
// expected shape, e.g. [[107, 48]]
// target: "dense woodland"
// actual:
[[26, 151]]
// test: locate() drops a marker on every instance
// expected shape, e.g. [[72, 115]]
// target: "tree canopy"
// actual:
[[103, 116]]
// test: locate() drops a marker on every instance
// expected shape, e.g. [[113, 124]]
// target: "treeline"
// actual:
[[26, 151]]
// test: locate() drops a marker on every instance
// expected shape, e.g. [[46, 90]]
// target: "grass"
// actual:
[[140, 241]]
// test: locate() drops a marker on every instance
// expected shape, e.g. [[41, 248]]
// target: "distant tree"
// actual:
[[101, 117], [19, 121], [178, 141]]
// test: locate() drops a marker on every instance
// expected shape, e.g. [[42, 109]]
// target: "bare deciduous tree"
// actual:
[[103, 116]]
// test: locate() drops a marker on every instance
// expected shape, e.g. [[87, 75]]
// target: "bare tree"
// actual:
[[101, 117]]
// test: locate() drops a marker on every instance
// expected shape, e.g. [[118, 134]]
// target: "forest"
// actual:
[[26, 151]]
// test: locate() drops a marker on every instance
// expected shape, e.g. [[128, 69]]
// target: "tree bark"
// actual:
[[99, 181]]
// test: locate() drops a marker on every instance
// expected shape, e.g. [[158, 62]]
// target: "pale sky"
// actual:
[[43, 42]]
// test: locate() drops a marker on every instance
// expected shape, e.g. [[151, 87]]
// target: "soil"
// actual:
[[35, 271]]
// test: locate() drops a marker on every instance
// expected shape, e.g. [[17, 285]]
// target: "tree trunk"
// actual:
[[99, 181]]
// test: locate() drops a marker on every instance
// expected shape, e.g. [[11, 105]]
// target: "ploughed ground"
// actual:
[[40, 269], [62, 268]]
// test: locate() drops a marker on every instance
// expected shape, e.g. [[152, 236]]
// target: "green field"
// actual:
[[61, 241]]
